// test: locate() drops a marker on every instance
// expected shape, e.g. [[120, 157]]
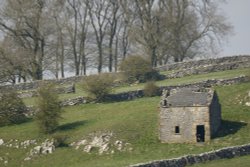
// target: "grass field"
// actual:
[[134, 122], [184, 80]]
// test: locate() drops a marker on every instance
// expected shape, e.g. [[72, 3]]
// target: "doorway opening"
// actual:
[[200, 133]]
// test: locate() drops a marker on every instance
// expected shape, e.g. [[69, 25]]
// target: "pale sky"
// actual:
[[238, 14]]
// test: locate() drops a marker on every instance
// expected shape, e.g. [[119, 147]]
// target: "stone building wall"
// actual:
[[186, 118]]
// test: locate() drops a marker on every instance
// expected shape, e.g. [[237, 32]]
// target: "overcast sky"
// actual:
[[238, 13]]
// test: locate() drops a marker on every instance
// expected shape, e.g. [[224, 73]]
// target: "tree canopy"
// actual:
[[81, 35]]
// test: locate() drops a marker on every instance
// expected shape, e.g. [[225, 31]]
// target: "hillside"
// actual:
[[133, 122]]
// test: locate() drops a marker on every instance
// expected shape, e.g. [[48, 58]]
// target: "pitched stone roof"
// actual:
[[187, 97]]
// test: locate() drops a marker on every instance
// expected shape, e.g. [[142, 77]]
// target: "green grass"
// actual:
[[185, 80], [191, 79], [134, 122], [79, 92]]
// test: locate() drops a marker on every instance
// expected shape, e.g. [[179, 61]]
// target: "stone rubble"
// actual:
[[47, 147], [4, 160], [73, 101], [27, 143], [119, 145], [17, 144], [103, 142], [1, 142], [247, 98]]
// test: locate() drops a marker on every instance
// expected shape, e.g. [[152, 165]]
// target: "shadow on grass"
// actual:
[[229, 127], [70, 126]]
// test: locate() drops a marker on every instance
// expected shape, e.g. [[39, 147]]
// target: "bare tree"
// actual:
[[44, 34], [113, 21], [57, 9], [191, 26], [176, 28], [13, 65], [84, 25], [23, 20], [144, 29], [98, 13], [78, 28], [73, 34], [7, 71]]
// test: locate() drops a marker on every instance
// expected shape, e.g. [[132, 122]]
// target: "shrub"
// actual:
[[12, 108], [139, 69], [98, 86], [153, 75], [60, 140], [151, 89], [49, 108]]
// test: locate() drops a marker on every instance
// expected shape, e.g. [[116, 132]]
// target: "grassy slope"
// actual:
[[184, 80], [191, 79], [134, 122]]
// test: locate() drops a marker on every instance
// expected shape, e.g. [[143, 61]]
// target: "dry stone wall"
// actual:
[[35, 84], [205, 66], [224, 153], [140, 93], [205, 84], [180, 70], [74, 101], [241, 60], [59, 90], [31, 110]]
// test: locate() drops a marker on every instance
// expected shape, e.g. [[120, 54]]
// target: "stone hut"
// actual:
[[189, 115]]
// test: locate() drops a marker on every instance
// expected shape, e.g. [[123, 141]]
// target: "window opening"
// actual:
[[177, 129]]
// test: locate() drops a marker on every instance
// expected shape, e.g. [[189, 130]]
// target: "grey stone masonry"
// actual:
[[60, 90], [189, 97], [178, 70], [206, 84], [189, 115], [242, 61], [224, 153], [35, 84]]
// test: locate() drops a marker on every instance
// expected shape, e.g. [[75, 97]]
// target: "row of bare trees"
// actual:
[[82, 35]]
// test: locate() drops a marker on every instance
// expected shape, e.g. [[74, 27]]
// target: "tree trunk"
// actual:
[[110, 54], [153, 57], [62, 55], [116, 54], [99, 68]]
